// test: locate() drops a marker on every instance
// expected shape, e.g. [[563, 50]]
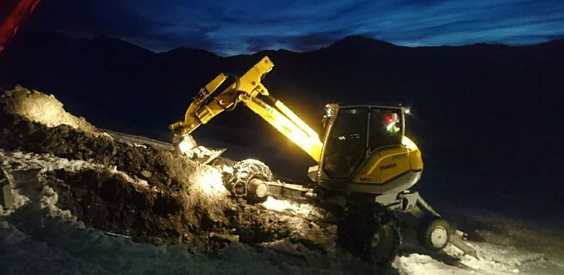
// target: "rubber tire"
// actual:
[[426, 231], [384, 253], [248, 169], [360, 225]]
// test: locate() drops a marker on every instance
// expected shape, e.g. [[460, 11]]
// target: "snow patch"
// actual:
[[18, 161], [49, 199], [13, 199], [286, 206], [133, 180], [422, 264], [27, 185], [493, 260], [47, 162]]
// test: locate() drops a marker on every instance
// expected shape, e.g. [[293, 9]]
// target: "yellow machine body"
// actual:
[[381, 170], [387, 164], [249, 90], [388, 170], [384, 160]]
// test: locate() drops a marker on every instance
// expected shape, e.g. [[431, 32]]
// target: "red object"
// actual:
[[12, 14], [390, 118]]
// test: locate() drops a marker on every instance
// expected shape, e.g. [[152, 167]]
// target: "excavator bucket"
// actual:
[[186, 145]]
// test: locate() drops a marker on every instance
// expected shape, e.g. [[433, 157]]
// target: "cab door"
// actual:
[[345, 143], [386, 157]]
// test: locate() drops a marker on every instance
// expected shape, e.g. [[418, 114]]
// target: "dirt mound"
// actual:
[[39, 107], [145, 192]]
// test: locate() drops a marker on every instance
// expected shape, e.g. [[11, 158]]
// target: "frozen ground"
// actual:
[[39, 238]]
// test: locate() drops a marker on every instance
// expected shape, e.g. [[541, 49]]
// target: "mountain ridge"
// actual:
[[463, 97], [345, 42]]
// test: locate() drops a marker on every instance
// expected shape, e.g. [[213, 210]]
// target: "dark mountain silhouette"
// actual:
[[487, 116]]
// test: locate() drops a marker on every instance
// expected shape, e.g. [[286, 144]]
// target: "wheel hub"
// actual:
[[439, 236], [375, 240]]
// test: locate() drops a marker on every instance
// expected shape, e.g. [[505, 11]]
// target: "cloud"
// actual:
[[228, 27]]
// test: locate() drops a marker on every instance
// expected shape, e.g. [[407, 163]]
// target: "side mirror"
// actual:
[[324, 121], [330, 112]]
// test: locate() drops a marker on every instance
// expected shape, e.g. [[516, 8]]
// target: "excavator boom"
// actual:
[[249, 90]]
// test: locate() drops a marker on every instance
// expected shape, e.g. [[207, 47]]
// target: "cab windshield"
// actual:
[[346, 143]]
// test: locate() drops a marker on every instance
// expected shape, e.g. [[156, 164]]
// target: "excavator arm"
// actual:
[[249, 90]]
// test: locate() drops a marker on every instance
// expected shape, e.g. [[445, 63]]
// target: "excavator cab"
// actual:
[[365, 150], [355, 133]]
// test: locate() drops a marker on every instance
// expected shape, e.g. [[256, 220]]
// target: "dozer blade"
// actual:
[[457, 239]]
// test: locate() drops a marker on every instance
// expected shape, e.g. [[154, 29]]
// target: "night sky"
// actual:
[[234, 27]]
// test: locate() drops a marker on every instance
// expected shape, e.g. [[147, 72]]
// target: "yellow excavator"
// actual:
[[366, 166]]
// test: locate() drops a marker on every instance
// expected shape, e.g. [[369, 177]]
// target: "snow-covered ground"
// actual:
[[38, 238]]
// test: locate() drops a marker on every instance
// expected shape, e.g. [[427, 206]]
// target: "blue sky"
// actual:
[[233, 27]]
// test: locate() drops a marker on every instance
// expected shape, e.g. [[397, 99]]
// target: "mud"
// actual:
[[164, 207]]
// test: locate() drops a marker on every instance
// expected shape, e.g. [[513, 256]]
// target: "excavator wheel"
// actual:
[[434, 233], [385, 244], [245, 172], [370, 232]]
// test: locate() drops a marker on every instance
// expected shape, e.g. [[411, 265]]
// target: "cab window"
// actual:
[[346, 143], [385, 128]]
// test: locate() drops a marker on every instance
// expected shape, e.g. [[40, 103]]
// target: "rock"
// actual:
[[146, 174]]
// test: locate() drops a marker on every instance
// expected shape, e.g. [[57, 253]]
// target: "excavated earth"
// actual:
[[138, 191]]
